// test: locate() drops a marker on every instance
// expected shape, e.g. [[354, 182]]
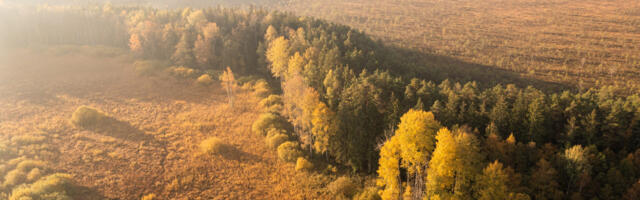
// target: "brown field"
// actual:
[[152, 144], [572, 42]]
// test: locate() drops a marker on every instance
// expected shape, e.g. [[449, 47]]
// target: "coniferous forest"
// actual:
[[371, 120]]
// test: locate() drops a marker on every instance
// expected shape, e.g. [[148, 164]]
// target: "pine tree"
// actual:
[[492, 184]]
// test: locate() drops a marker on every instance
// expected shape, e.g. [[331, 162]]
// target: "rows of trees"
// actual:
[[346, 96]]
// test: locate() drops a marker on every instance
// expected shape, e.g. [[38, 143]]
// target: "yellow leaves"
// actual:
[[454, 165], [410, 148], [416, 133], [296, 62], [135, 44], [324, 127], [210, 30], [389, 170], [278, 55]]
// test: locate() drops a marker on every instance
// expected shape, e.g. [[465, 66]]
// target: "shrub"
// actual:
[[370, 193], [28, 139], [87, 117], [182, 72], [267, 121], [271, 100], [205, 80], [276, 140], [14, 177], [342, 186], [27, 165], [289, 151], [303, 164], [147, 67], [261, 88], [55, 186], [213, 145], [34, 174]]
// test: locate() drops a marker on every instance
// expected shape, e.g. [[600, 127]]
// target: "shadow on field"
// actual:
[[82, 192], [120, 129], [431, 66], [232, 153]]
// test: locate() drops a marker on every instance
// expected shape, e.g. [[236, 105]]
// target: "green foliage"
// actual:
[[289, 151], [492, 184], [88, 117], [303, 164], [213, 145], [343, 186]]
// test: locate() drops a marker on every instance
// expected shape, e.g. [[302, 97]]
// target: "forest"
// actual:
[[389, 123]]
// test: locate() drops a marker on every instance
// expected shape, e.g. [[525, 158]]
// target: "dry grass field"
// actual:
[[572, 42], [151, 145]]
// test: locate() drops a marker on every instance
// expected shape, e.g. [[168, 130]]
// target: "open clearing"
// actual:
[[152, 146]]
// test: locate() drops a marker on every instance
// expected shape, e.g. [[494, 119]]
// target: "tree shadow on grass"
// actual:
[[230, 152], [110, 126], [86, 193]]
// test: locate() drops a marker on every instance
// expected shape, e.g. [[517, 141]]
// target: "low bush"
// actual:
[[182, 72], [303, 164], [14, 177], [268, 121], [289, 151], [34, 174], [261, 88], [276, 140], [343, 186], [369, 193], [205, 80], [55, 186], [271, 100], [88, 117], [28, 139], [213, 145]]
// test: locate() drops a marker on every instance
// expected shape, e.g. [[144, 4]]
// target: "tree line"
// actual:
[[352, 101]]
